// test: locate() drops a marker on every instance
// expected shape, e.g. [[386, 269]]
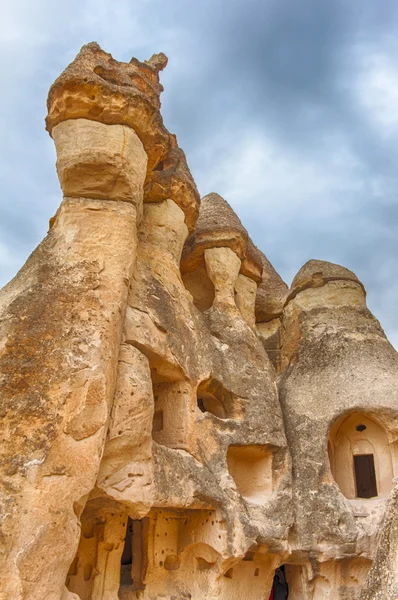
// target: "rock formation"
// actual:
[[177, 423]]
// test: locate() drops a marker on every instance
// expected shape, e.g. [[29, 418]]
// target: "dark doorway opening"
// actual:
[[134, 556], [365, 476], [280, 589]]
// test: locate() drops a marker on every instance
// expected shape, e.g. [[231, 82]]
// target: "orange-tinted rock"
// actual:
[[252, 265], [149, 447], [96, 86], [172, 179], [271, 293], [217, 226]]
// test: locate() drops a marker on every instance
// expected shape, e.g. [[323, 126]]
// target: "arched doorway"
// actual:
[[280, 590], [360, 457]]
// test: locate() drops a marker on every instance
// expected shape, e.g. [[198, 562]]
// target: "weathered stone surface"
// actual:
[[172, 179], [270, 299], [245, 297], [382, 581], [339, 371], [95, 86], [190, 446], [217, 226], [126, 470], [99, 161], [271, 293], [315, 273], [150, 447], [164, 227], [98, 88], [223, 267], [252, 264], [219, 232], [60, 326]]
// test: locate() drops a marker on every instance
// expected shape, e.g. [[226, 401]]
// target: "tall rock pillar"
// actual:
[[61, 318]]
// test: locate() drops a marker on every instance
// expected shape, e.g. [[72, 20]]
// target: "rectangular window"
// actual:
[[365, 476]]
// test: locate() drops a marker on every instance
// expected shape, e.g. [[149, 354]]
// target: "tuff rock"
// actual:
[[177, 423]]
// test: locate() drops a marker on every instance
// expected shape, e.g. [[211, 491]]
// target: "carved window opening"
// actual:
[[209, 403], [360, 457], [365, 476], [157, 421], [127, 556], [214, 398], [173, 416], [112, 552], [251, 469], [200, 286]]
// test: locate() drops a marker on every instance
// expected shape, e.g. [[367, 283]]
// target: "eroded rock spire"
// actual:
[[176, 422]]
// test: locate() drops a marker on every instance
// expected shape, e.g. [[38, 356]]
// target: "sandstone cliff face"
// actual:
[[150, 450], [339, 393], [382, 581]]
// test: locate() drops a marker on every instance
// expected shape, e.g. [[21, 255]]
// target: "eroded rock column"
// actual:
[[246, 290], [223, 266], [338, 392], [62, 317]]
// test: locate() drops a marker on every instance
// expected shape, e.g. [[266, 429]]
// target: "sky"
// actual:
[[287, 108]]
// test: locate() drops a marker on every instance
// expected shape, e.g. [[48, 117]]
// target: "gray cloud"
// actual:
[[289, 109]]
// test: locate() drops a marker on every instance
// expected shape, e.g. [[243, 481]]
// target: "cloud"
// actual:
[[377, 89]]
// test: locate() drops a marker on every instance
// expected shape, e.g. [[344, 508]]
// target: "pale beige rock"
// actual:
[[63, 313], [328, 579], [223, 265], [150, 447], [270, 335], [271, 293], [217, 226], [95, 86], [94, 572], [270, 300], [339, 394], [174, 414], [164, 226], [252, 264], [126, 470], [200, 286], [98, 88], [99, 161], [315, 273], [246, 290], [172, 179], [382, 581]]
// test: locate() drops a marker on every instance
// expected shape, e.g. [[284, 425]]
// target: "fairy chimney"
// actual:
[[176, 422]]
